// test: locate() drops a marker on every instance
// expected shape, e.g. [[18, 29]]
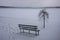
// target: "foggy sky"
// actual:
[[30, 3]]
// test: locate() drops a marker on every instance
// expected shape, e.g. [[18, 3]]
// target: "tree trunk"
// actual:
[[44, 21]]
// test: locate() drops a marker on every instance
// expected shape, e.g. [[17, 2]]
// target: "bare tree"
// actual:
[[43, 14]]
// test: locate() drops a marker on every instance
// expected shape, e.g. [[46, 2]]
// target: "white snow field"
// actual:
[[10, 18]]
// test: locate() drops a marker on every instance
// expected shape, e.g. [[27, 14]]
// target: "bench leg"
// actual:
[[23, 30], [38, 32], [35, 32], [20, 30], [29, 31]]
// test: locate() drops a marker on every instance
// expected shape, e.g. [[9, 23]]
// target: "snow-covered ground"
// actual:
[[9, 29]]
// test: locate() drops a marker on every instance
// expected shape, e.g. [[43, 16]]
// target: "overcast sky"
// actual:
[[30, 3]]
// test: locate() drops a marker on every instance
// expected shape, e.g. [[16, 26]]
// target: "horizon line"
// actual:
[[27, 7]]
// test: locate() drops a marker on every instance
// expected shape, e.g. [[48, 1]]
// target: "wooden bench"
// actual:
[[29, 27]]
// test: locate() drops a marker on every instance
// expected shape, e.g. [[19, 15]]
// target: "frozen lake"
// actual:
[[10, 18]]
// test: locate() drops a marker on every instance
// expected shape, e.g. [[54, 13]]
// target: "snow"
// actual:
[[9, 29]]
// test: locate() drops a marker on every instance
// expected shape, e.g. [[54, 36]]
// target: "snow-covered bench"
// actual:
[[29, 27]]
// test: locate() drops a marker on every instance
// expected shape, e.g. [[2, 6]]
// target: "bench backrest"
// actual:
[[27, 26]]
